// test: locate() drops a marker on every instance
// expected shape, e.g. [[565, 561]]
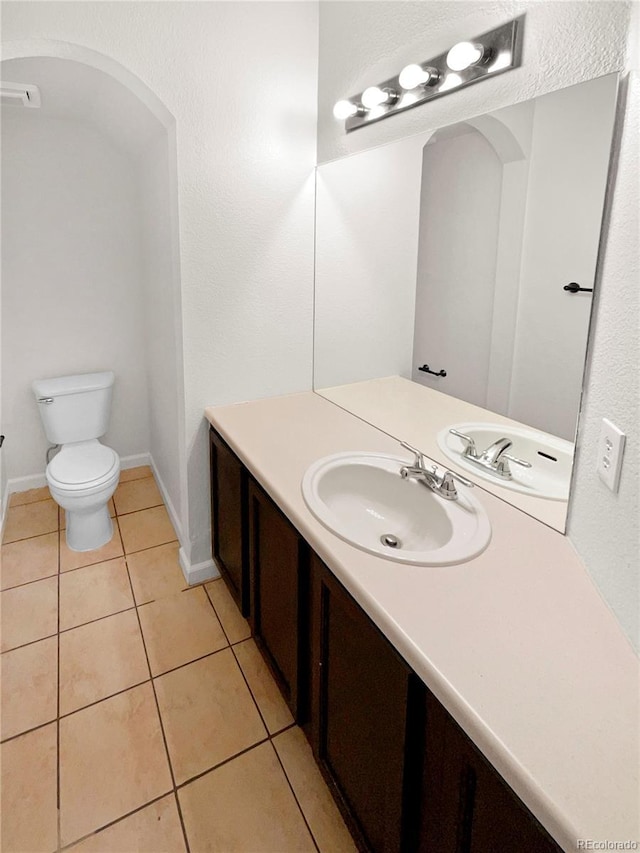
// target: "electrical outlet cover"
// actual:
[[610, 451]]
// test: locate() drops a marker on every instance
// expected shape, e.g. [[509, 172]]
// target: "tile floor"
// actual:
[[137, 714]]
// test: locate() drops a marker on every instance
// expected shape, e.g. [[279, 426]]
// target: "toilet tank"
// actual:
[[75, 408]]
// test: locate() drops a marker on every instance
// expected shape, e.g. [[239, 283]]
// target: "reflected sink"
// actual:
[[362, 499], [550, 457]]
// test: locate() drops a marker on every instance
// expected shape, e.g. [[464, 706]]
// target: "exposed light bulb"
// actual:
[[374, 96], [345, 109], [413, 76], [465, 54]]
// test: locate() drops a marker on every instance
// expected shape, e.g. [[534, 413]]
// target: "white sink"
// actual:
[[550, 457], [362, 499]]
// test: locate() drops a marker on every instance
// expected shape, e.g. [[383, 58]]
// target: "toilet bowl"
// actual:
[[82, 477], [84, 474]]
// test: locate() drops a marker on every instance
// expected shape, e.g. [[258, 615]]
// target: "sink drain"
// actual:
[[390, 541]]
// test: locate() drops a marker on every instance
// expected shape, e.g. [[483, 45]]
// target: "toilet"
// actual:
[[84, 474]]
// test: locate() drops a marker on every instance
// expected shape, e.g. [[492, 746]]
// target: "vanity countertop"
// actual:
[[517, 643]]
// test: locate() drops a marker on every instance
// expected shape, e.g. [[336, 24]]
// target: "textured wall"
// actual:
[[565, 43], [240, 80], [71, 294]]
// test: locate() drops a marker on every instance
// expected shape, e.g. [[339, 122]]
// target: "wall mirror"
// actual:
[[454, 277]]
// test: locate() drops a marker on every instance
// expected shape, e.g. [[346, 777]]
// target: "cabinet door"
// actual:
[[279, 589], [467, 806], [229, 538], [362, 694]]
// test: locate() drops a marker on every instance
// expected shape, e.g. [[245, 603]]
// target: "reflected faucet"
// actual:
[[494, 459]]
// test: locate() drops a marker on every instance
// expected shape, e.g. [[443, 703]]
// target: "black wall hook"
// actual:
[[426, 369], [574, 287]]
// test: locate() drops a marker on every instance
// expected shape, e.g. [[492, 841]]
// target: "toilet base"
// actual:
[[87, 531]]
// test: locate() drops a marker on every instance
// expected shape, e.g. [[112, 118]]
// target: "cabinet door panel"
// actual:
[[468, 807], [361, 730], [278, 613], [228, 519]]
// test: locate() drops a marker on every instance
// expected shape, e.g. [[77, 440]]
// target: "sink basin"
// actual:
[[551, 458], [362, 499]]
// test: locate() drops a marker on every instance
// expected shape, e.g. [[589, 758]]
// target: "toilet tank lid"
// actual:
[[76, 384]]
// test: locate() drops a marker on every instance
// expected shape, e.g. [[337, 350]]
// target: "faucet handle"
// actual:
[[418, 462], [470, 445], [515, 459], [447, 487]]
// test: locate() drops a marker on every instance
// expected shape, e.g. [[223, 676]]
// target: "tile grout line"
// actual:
[[155, 696], [115, 821], [295, 796], [58, 789]]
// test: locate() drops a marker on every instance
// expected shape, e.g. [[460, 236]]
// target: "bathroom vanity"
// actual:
[[489, 705]]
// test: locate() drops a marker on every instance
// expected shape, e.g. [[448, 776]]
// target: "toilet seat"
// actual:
[[83, 466]]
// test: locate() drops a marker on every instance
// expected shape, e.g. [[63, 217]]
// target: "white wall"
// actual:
[[457, 257], [367, 222], [559, 50], [162, 327], [71, 296], [240, 80]]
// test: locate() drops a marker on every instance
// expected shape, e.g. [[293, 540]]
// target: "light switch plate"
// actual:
[[610, 450]]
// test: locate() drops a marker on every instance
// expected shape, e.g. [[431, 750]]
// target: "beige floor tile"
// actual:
[[235, 625], [246, 805], [134, 495], [31, 519], [76, 559], [29, 613], [30, 496], [63, 515], [145, 529], [324, 819], [180, 629], [29, 560], [100, 659], [156, 573], [135, 473], [210, 698], [29, 793], [93, 592], [154, 829], [112, 761], [29, 687], [273, 708]]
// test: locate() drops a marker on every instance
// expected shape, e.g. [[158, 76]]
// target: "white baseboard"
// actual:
[[177, 526], [207, 571], [135, 461]]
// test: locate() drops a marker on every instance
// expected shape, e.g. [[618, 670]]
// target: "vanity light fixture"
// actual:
[[466, 62]]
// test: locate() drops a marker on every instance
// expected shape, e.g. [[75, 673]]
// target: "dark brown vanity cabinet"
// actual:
[[405, 775], [229, 531], [278, 560], [364, 703]]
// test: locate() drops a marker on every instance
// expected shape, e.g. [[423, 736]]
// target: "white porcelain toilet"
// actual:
[[84, 474]]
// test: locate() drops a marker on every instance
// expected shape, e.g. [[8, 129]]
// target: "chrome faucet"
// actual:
[[494, 459], [442, 485]]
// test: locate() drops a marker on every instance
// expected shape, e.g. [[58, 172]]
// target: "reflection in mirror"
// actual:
[[443, 259]]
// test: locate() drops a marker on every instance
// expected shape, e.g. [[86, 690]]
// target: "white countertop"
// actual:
[[517, 643], [416, 414]]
